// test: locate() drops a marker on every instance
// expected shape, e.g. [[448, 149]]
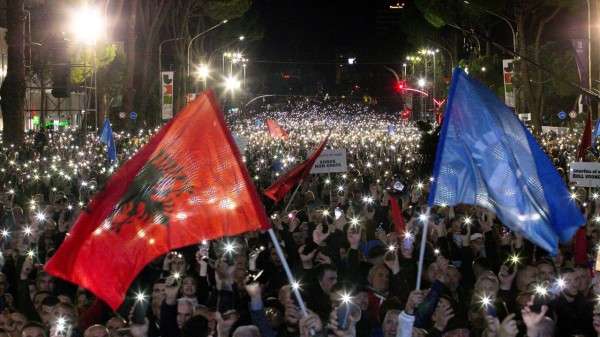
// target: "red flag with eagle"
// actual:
[[186, 185], [275, 130], [286, 182]]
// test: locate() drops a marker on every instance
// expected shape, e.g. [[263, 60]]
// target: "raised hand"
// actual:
[[442, 315], [508, 327], [414, 299]]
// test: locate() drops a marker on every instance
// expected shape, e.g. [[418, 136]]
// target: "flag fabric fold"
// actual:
[[107, 138], [586, 139], [397, 217], [275, 130], [185, 185], [286, 182], [487, 157]]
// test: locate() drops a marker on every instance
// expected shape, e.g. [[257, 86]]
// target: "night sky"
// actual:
[[314, 35]]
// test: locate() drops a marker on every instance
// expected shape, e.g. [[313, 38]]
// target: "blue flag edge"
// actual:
[[565, 220], [442, 138]]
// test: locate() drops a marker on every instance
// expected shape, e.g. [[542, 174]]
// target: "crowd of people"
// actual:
[[354, 267]]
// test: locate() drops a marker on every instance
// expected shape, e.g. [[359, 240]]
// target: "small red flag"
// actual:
[[186, 185], [586, 139], [580, 247], [276, 130], [284, 184], [397, 217]]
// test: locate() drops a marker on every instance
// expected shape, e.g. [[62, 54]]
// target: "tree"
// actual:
[[12, 91], [531, 18], [130, 50]]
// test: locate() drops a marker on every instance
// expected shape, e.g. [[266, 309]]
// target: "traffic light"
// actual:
[[400, 86]]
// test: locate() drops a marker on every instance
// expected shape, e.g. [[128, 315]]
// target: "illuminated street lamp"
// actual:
[[232, 84], [203, 71], [421, 83], [87, 24]]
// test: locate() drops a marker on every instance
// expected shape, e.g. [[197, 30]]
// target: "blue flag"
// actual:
[[486, 157], [391, 129], [595, 135], [106, 137]]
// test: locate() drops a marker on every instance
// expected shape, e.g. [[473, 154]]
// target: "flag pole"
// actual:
[[292, 196], [288, 272], [422, 249]]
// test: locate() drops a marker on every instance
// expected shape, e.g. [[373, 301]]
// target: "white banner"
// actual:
[[166, 79], [509, 89], [585, 174], [559, 130], [525, 117], [330, 161]]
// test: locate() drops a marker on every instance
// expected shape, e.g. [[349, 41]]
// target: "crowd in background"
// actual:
[[355, 268]]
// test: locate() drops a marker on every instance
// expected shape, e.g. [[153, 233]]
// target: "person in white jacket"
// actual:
[[406, 318]]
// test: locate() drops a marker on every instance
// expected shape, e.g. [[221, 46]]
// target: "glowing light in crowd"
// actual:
[[514, 259], [229, 247], [140, 296], [423, 217], [485, 301], [346, 298], [40, 216], [540, 290], [61, 324]]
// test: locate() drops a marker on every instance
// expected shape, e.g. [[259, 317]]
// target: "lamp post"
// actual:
[[188, 51], [203, 73], [160, 59], [87, 26], [503, 18], [421, 83]]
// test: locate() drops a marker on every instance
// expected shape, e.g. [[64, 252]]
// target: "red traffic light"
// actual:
[[400, 86]]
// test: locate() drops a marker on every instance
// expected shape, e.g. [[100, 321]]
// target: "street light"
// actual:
[[188, 51], [421, 83], [203, 71], [501, 17], [87, 24], [232, 84]]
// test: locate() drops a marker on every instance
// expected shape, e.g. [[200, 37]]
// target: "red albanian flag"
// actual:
[[586, 139], [286, 182], [187, 184], [276, 130]]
